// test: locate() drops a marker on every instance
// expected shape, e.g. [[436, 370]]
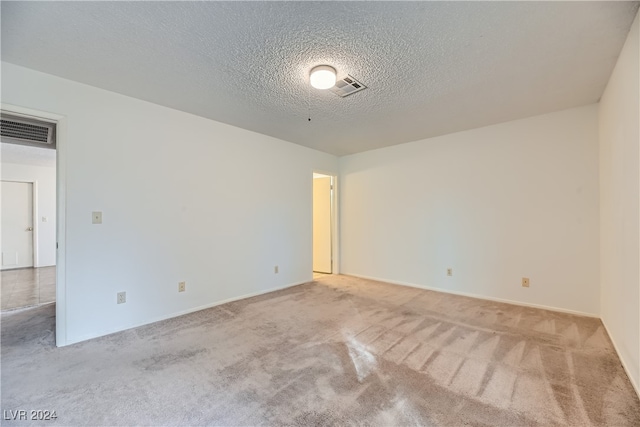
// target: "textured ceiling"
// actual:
[[431, 67]]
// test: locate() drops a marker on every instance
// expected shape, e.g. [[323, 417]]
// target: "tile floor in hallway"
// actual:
[[26, 287]]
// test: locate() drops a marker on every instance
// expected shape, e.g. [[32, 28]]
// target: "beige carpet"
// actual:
[[338, 351]]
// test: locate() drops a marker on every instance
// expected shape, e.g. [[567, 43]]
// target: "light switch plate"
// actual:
[[96, 217]]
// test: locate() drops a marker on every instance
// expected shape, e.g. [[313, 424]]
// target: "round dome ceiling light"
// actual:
[[322, 77]]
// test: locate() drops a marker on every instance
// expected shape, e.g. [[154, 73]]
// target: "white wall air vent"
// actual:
[[27, 131], [347, 86]]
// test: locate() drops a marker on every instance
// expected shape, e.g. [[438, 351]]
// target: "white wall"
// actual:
[[46, 205], [183, 198], [518, 199], [620, 205]]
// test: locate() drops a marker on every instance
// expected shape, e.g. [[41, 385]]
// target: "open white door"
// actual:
[[17, 225], [322, 224]]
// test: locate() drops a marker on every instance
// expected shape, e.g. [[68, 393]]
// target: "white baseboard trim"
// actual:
[[183, 312], [482, 297], [624, 362]]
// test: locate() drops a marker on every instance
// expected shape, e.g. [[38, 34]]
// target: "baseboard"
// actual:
[[183, 312], [476, 296], [24, 308], [25, 268], [624, 363]]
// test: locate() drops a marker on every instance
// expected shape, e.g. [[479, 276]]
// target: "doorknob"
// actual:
[[30, 229]]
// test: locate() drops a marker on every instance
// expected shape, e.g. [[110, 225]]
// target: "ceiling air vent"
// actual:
[[27, 131], [347, 86]]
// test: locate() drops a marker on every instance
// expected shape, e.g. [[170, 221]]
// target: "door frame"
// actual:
[[61, 209], [335, 229], [34, 216]]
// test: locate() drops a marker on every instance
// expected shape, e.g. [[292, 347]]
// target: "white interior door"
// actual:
[[17, 224], [322, 225]]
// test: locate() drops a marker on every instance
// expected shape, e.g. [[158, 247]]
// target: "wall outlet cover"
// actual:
[[525, 282], [182, 286], [122, 297], [96, 217]]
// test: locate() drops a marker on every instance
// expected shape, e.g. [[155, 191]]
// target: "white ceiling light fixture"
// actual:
[[322, 77]]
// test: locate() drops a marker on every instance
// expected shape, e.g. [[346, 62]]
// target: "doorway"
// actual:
[[52, 220], [28, 179], [323, 224]]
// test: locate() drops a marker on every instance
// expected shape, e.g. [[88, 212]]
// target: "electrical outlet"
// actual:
[[182, 286], [122, 297], [449, 271], [96, 217], [525, 282], [275, 269]]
